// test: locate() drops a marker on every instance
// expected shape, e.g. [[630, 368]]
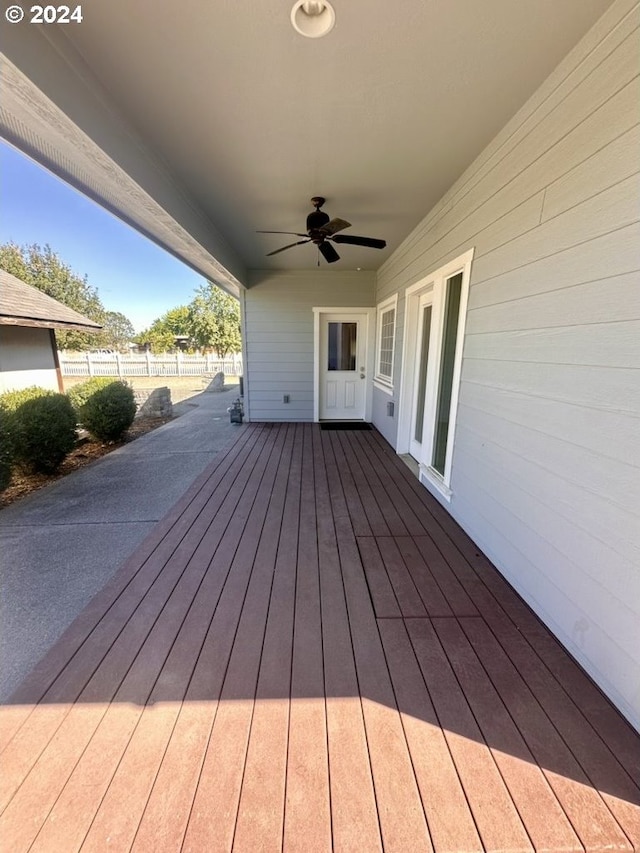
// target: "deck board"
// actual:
[[539, 808], [424, 572], [567, 752], [261, 808], [451, 822], [308, 653], [495, 814], [146, 680], [383, 597], [407, 594], [351, 498], [392, 515], [402, 821], [308, 760], [354, 814], [376, 519]]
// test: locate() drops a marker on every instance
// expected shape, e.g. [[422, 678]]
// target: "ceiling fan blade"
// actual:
[[334, 226], [328, 252], [290, 246], [369, 242], [293, 233]]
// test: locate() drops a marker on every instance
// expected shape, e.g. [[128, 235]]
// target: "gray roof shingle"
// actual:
[[24, 305]]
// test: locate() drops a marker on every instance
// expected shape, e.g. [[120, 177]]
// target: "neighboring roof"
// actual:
[[23, 305]]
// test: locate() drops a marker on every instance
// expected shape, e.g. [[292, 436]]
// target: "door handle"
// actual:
[[362, 376]]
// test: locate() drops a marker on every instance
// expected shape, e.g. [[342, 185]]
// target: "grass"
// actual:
[[181, 387]]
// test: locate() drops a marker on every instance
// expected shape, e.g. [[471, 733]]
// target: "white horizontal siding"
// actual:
[[597, 344], [613, 253], [546, 462], [608, 211], [591, 503], [590, 387], [563, 572], [558, 420], [611, 481], [582, 304], [591, 640], [278, 321], [610, 165]]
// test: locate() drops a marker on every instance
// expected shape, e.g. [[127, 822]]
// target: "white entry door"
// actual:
[[343, 360]]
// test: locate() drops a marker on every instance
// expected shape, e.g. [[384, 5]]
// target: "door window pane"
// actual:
[[445, 386], [422, 373], [342, 346]]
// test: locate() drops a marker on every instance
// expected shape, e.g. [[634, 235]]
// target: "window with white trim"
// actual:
[[385, 340], [435, 314]]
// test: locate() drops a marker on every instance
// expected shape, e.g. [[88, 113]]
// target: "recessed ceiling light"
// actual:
[[313, 18]]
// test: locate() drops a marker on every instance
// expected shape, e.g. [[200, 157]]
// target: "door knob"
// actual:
[[362, 376]]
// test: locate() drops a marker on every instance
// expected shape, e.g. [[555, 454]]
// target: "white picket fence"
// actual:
[[147, 364]]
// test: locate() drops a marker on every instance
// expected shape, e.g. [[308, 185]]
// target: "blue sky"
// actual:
[[131, 274]]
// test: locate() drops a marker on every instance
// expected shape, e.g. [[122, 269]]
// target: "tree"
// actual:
[[161, 335], [211, 321], [42, 268], [118, 330], [214, 318]]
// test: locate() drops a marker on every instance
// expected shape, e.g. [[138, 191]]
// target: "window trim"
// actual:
[[436, 280], [385, 383]]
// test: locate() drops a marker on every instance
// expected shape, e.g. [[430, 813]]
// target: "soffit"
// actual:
[[380, 117]]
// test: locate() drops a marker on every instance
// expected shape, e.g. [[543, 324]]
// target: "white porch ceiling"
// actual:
[[381, 116]]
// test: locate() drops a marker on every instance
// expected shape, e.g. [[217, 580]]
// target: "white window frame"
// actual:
[[385, 383], [437, 483]]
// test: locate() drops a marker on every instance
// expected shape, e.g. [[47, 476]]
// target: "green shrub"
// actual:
[[109, 411], [79, 394], [10, 402], [6, 449], [43, 431]]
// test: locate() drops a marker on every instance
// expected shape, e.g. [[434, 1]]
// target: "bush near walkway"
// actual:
[[79, 394], [109, 411], [41, 428], [6, 450]]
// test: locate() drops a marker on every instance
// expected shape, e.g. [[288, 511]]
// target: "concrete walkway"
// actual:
[[60, 545]]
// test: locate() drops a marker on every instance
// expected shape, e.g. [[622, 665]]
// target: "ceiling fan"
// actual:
[[321, 229]]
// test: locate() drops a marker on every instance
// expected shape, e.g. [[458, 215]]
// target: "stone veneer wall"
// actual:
[[154, 403]]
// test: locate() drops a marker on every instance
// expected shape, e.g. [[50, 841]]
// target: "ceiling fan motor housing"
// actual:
[[316, 220]]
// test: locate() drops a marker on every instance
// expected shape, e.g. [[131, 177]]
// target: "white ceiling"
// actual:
[[380, 117]]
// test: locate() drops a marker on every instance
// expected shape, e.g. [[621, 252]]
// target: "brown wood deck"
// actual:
[[309, 654]]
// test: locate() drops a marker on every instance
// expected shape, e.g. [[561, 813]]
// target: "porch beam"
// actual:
[[56, 111]]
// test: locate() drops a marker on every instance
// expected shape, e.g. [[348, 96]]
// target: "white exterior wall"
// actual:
[[278, 334], [546, 457], [26, 359]]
